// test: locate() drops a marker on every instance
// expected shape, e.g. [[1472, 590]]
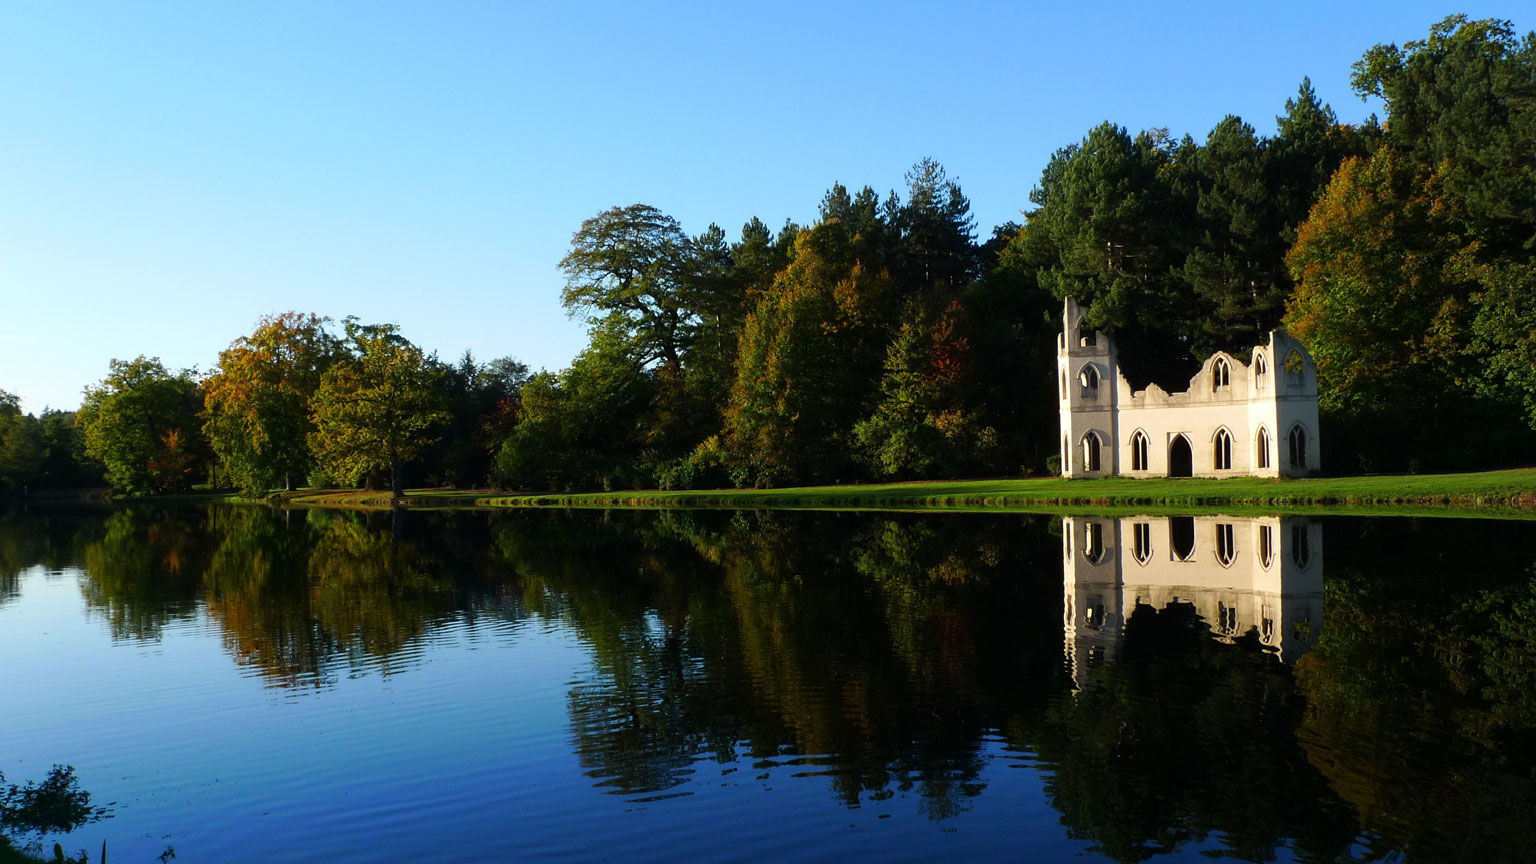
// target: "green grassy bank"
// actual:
[[1511, 492]]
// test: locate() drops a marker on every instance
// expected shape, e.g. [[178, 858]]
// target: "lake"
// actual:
[[252, 684]]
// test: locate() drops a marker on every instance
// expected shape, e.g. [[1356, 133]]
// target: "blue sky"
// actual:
[[169, 173]]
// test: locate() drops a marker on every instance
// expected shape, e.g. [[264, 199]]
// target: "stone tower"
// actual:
[[1087, 372]]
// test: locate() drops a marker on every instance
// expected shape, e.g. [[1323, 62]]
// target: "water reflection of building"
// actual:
[[1263, 574]]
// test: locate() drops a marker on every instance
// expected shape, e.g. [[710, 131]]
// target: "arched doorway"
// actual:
[[1181, 536], [1181, 460]]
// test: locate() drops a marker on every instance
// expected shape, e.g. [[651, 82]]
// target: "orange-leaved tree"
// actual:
[[257, 415]]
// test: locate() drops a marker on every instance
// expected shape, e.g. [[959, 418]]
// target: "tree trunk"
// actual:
[[288, 482], [396, 478]]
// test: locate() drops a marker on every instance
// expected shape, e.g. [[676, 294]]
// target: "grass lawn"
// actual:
[[1501, 493]]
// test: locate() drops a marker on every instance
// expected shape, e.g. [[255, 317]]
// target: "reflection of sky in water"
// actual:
[[467, 750], [250, 685], [183, 740]]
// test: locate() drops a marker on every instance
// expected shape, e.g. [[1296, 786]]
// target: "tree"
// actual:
[[128, 419], [1462, 109], [1505, 331], [936, 245], [1384, 303], [720, 294], [1013, 323], [582, 427], [627, 266], [482, 406], [922, 424], [257, 417], [376, 409], [1413, 267], [66, 464], [1308, 147], [1463, 101], [810, 355], [1237, 264], [1108, 231], [22, 452]]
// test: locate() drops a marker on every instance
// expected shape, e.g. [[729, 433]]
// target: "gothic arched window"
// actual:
[[1093, 542], [1139, 451], [1301, 545], [1226, 545], [1223, 450], [1298, 447], [1141, 541], [1090, 378], [1294, 367], [1091, 447], [1221, 374]]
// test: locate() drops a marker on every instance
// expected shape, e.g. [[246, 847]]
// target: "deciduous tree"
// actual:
[[376, 409], [810, 355], [258, 412], [628, 266], [22, 451], [127, 417]]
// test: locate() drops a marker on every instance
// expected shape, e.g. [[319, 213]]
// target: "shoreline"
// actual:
[[1490, 494]]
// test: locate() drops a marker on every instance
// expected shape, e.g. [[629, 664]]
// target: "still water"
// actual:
[[244, 684]]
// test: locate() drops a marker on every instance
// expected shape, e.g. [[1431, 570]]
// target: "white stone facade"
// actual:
[[1256, 419], [1243, 575]]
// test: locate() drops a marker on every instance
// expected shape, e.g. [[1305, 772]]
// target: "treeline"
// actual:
[[291, 403], [888, 341]]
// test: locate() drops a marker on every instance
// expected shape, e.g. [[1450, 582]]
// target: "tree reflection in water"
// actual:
[[1181, 737], [50, 538], [790, 642], [1421, 696], [145, 569], [904, 654]]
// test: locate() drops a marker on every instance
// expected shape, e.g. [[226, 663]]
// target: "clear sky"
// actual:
[[171, 172]]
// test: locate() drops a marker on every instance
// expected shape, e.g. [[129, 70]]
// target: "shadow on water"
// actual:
[[1181, 684]]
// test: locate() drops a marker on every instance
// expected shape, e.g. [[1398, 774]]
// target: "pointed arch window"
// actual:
[[1091, 447], [1063, 383], [1223, 461], [1226, 544], [1294, 367], [1141, 541], [1266, 547], [1301, 545], [1066, 455], [1090, 380], [1298, 447], [1221, 374], [1093, 542], [1261, 448], [1139, 451], [1260, 367]]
